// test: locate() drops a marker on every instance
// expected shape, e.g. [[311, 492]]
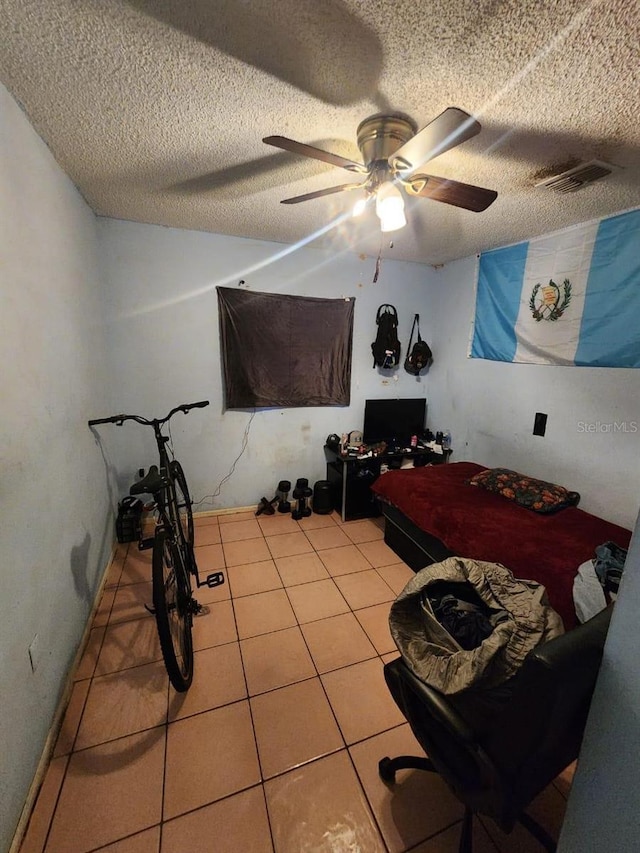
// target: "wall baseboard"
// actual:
[[229, 511]]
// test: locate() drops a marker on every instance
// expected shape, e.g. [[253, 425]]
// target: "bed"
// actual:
[[433, 512]]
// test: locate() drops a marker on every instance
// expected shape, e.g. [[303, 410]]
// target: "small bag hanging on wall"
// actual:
[[420, 355]]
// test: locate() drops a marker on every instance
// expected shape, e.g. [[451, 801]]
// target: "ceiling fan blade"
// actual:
[[317, 153], [319, 193], [467, 196], [450, 128]]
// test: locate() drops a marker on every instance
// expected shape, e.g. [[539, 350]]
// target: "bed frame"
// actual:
[[417, 548]]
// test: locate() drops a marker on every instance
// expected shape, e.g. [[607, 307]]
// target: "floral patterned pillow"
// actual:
[[528, 492]]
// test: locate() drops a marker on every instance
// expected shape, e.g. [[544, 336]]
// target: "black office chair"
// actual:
[[497, 769]]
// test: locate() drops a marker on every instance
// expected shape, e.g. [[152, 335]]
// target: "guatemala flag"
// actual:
[[569, 298]]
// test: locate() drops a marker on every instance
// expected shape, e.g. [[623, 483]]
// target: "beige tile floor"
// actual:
[[275, 747]]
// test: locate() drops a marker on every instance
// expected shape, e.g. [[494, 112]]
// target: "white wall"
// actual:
[[490, 407], [603, 812], [56, 531], [164, 350]]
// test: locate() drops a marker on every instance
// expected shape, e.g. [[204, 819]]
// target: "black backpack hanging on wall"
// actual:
[[386, 347], [420, 356]]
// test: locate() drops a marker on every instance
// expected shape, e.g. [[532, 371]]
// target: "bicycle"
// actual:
[[174, 561]]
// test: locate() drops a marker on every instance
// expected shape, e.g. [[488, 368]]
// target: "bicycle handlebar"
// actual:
[[119, 419], [185, 408]]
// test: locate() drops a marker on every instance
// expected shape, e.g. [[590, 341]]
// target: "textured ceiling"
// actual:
[[156, 110]]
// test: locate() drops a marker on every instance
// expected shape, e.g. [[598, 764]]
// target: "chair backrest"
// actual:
[[535, 734], [540, 730]]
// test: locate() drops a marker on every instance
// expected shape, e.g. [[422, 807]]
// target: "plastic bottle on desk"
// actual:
[[446, 440]]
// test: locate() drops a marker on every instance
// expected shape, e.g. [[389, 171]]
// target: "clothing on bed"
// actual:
[[474, 523], [597, 582]]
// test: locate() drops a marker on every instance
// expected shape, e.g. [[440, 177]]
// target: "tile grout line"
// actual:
[[248, 700], [164, 766], [255, 739], [346, 748]]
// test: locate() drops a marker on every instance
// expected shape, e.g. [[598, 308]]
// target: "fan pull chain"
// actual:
[[378, 262]]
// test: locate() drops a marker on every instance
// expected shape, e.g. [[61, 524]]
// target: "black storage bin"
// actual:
[[129, 520], [322, 503]]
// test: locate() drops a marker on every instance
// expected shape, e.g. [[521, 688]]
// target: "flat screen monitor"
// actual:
[[393, 421]]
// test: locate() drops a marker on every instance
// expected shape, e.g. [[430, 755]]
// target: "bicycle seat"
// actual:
[[153, 483]]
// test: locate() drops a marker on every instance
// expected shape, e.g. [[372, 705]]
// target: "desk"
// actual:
[[351, 477]]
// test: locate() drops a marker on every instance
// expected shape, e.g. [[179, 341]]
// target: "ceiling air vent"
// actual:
[[580, 176]]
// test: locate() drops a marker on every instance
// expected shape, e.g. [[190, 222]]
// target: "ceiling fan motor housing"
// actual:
[[380, 136]]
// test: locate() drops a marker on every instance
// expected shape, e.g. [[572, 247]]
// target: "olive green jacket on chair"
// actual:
[[524, 620]]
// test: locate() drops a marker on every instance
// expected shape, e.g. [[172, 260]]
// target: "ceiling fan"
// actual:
[[393, 149]]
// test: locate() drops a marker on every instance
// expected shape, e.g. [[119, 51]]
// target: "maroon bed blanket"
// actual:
[[475, 523]]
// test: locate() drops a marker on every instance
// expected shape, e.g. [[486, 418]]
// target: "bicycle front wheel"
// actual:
[[183, 504], [172, 604]]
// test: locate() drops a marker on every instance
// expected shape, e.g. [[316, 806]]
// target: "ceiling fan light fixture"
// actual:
[[390, 207], [359, 206], [393, 220]]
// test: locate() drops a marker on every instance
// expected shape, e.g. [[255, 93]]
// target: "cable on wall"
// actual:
[[218, 489]]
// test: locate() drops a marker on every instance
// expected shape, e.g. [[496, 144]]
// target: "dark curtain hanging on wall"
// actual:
[[280, 350]]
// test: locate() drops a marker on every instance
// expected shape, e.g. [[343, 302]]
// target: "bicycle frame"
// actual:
[[160, 485]]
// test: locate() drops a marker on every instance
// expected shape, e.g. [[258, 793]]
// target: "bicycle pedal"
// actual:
[[145, 544], [215, 579]]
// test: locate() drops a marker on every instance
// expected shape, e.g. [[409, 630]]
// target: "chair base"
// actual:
[[387, 768]]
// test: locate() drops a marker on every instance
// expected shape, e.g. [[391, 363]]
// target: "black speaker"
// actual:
[[322, 497]]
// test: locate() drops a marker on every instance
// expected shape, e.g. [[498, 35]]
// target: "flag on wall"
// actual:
[[569, 298]]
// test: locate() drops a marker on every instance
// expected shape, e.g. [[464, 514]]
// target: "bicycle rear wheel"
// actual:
[[172, 604]]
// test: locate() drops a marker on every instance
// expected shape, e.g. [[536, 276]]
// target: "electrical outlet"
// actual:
[[539, 424], [34, 653]]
